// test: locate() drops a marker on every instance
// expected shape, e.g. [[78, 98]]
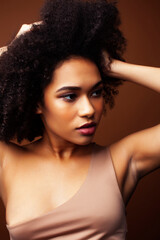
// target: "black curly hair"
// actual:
[[69, 28]]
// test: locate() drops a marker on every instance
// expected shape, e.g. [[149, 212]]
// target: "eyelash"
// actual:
[[73, 96], [99, 92]]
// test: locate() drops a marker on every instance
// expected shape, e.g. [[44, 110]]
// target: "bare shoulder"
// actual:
[[8, 147], [9, 152], [4, 147], [14, 160], [6, 151]]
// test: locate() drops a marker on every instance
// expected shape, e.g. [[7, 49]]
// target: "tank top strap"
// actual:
[[103, 164], [94, 212]]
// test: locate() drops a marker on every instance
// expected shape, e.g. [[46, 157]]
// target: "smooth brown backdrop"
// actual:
[[136, 107]]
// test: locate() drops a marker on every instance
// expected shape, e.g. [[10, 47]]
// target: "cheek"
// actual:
[[60, 111]]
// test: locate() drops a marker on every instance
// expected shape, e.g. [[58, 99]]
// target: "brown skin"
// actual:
[[27, 179], [72, 108], [63, 154]]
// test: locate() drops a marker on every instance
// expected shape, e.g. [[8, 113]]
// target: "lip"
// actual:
[[87, 129], [87, 125]]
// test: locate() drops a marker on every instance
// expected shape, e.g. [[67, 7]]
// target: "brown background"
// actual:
[[136, 107]]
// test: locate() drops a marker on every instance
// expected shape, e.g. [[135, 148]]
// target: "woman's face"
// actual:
[[73, 99]]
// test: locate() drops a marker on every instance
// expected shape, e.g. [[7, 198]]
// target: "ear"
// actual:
[[39, 109]]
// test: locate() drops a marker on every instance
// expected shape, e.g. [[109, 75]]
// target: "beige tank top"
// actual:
[[95, 212]]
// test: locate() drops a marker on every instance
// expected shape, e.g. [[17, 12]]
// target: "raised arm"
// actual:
[[139, 153], [143, 75], [146, 143], [24, 28]]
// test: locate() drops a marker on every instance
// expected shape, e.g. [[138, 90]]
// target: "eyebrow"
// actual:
[[78, 88]]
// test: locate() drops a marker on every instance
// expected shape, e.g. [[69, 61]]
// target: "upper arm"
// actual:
[[144, 148], [135, 156]]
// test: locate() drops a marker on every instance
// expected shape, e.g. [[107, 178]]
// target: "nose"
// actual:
[[86, 109]]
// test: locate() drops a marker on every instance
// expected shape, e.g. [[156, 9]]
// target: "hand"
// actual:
[[111, 65], [26, 28], [143, 75], [106, 59], [3, 49]]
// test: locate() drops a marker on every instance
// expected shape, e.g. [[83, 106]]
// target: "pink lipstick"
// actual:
[[87, 129]]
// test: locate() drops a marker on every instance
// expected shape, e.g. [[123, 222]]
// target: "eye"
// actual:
[[69, 97], [97, 93]]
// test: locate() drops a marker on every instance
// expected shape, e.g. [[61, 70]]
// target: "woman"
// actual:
[[54, 82]]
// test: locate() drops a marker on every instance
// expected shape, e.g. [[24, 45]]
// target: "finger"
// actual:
[[25, 28], [3, 49]]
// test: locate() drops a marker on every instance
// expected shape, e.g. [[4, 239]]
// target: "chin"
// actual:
[[85, 141]]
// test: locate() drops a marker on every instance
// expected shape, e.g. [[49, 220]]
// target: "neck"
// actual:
[[59, 148]]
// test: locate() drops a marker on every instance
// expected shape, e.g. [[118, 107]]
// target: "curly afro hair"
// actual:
[[69, 28]]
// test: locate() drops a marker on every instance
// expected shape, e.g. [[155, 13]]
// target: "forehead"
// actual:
[[76, 72]]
